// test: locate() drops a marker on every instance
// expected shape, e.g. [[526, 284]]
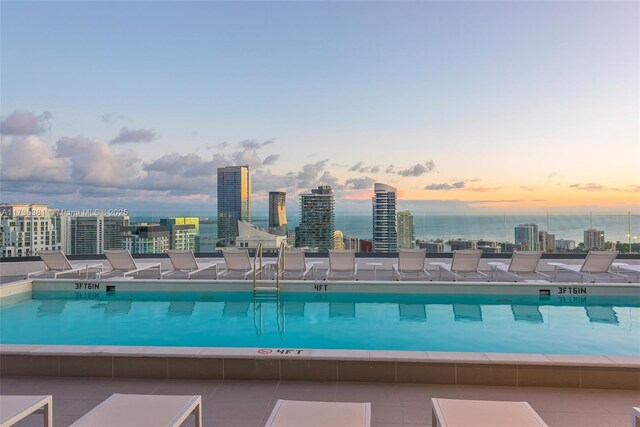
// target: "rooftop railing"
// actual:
[[438, 232]]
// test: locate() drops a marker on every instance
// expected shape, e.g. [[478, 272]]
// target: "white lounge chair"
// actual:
[[185, 260], [56, 262], [626, 268], [463, 263], [16, 408], [295, 264], [342, 263], [121, 260], [596, 262], [238, 261], [521, 264], [465, 413], [294, 413], [143, 411], [410, 264]]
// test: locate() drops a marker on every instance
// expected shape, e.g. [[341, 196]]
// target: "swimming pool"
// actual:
[[425, 322]]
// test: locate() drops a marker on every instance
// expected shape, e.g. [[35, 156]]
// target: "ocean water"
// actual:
[[467, 323], [496, 227]]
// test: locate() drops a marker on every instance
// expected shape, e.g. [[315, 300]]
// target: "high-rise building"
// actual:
[[593, 239], [145, 239], [61, 223], [526, 237], [565, 245], [406, 230], [234, 200], [547, 241], [89, 235], [277, 212], [184, 232], [385, 233], [338, 240], [26, 229], [317, 219]]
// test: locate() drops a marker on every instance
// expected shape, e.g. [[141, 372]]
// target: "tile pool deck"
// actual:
[[248, 403]]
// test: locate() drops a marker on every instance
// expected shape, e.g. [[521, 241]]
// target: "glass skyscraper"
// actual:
[[234, 200], [526, 236], [406, 230], [317, 219], [385, 232], [277, 212]]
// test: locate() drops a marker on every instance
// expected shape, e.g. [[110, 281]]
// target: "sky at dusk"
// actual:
[[510, 106]]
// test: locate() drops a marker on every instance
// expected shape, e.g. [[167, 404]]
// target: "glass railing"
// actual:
[[438, 232]]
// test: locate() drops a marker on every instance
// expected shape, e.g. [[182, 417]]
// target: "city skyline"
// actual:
[[533, 107]]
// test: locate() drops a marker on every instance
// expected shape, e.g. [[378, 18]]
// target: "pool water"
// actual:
[[461, 323]]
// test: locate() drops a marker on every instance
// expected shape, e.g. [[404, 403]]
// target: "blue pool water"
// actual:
[[479, 323]]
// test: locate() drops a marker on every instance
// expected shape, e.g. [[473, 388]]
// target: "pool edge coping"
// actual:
[[472, 358]]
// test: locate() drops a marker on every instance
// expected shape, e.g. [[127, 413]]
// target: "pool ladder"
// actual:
[[267, 294]]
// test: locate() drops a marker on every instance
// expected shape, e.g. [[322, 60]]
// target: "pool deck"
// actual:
[[249, 403]]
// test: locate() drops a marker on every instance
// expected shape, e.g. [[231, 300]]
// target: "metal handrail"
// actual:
[[280, 264], [255, 260]]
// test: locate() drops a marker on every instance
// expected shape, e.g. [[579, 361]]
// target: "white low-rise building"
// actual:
[[249, 236], [26, 229]]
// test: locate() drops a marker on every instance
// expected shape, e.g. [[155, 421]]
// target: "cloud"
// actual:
[[359, 183], [418, 169], [390, 169], [263, 181], [271, 159], [356, 167], [248, 156], [597, 187], [253, 144], [587, 187], [25, 123], [328, 179], [187, 165], [482, 189], [112, 118], [446, 186], [310, 173], [361, 167], [525, 188], [127, 135], [30, 158], [96, 163], [77, 161]]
